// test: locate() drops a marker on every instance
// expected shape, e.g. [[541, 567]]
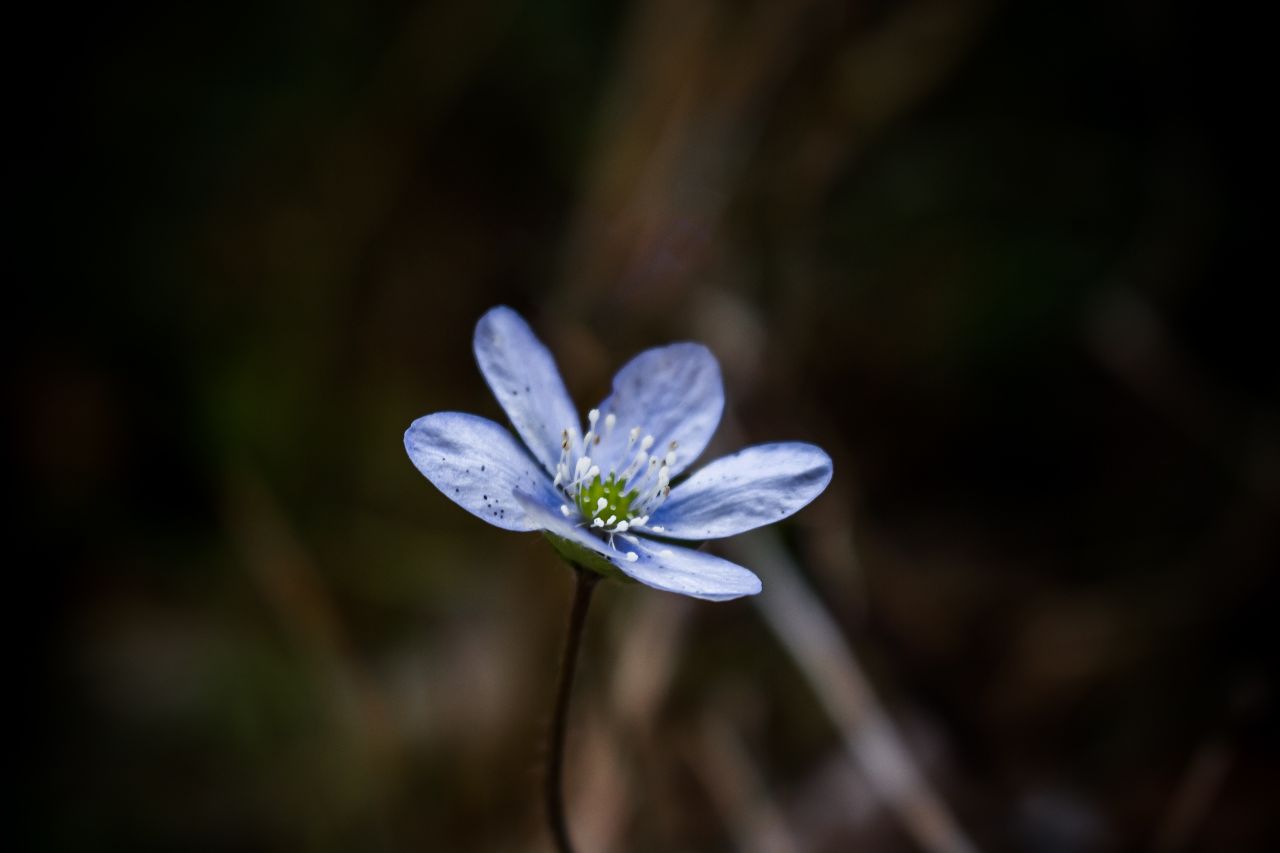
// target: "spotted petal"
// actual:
[[670, 568], [673, 393], [753, 487], [477, 464], [523, 376]]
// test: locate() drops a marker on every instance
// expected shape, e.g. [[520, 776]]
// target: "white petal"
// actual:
[[670, 568], [477, 464], [523, 376], [673, 393], [753, 487]]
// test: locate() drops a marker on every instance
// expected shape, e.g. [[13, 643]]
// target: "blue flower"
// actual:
[[605, 498]]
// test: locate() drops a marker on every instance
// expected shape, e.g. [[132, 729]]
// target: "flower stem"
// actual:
[[585, 585]]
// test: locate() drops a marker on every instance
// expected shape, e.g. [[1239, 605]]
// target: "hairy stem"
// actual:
[[585, 585]]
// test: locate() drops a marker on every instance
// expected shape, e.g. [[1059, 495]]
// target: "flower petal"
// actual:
[[673, 393], [670, 568], [476, 464], [523, 376], [753, 487]]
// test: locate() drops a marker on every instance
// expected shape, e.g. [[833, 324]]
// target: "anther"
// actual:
[[598, 522], [564, 510], [610, 520], [632, 556], [646, 443], [601, 503]]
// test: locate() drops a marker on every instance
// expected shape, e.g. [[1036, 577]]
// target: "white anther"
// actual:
[[664, 477], [581, 468], [609, 421], [658, 528], [589, 438], [646, 443], [671, 458], [559, 476], [610, 520], [622, 525], [593, 416], [601, 503], [598, 522], [640, 521], [632, 556], [594, 472], [634, 436], [564, 510], [666, 552], [632, 539]]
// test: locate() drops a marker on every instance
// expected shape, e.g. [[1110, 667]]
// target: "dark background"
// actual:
[[1002, 260]]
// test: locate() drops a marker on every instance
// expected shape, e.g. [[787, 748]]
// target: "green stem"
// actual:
[[586, 584]]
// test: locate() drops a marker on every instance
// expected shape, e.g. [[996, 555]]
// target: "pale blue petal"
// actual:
[[673, 393], [753, 487], [670, 568], [523, 376], [477, 464]]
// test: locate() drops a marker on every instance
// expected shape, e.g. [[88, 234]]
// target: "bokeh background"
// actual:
[[1002, 260]]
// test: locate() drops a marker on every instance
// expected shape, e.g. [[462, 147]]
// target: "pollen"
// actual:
[[613, 485]]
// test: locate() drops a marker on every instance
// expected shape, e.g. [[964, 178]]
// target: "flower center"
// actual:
[[618, 494]]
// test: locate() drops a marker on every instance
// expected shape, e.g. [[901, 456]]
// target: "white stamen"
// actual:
[[598, 522], [593, 416], [658, 528], [610, 520], [601, 503], [666, 552], [634, 540], [564, 510], [671, 458], [622, 525], [646, 443], [632, 556], [593, 473], [609, 421]]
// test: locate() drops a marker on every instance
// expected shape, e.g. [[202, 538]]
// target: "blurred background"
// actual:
[[1002, 260]]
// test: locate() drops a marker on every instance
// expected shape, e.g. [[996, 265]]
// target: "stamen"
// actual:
[[564, 510], [601, 503], [632, 556], [597, 522]]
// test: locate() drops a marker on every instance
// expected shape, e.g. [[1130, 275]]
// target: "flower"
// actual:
[[605, 498]]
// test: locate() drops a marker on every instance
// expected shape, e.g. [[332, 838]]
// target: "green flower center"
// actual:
[[607, 499]]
